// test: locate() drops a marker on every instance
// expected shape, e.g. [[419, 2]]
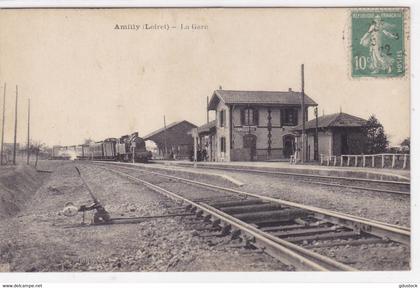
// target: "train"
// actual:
[[127, 148]]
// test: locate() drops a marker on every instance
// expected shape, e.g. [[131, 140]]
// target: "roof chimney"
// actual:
[[220, 87], [290, 90]]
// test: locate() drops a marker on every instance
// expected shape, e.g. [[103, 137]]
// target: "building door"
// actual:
[[288, 146], [344, 144], [250, 141]]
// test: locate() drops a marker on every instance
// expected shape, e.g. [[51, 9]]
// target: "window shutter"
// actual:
[[242, 117], [295, 118], [256, 118], [282, 118], [224, 117]]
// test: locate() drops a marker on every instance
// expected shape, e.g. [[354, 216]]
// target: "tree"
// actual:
[[88, 141], [376, 140], [405, 145], [36, 147], [406, 142]]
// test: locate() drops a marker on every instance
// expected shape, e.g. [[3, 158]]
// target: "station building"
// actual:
[[173, 141], [338, 134], [253, 125]]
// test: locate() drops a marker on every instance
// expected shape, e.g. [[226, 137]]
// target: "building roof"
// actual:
[[258, 97], [334, 120], [206, 127], [176, 133]]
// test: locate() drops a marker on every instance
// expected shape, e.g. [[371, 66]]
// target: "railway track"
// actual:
[[288, 231], [373, 185]]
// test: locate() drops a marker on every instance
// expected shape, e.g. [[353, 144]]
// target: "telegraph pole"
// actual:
[[303, 115], [29, 125], [316, 135], [164, 136], [14, 141], [207, 109], [2, 129]]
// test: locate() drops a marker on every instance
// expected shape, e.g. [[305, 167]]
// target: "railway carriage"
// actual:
[[86, 151], [79, 152], [110, 152], [96, 150]]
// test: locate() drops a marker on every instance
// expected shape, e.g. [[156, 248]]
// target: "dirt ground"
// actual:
[[40, 238]]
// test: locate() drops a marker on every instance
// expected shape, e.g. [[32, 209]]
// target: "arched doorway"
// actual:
[[288, 145], [250, 141]]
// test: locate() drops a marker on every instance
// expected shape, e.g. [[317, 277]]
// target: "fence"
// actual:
[[385, 160]]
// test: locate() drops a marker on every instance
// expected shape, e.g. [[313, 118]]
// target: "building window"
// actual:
[[289, 117], [249, 116], [222, 144], [222, 117]]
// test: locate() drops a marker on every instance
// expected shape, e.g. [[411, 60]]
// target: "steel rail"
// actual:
[[360, 188], [393, 232], [276, 248], [405, 183]]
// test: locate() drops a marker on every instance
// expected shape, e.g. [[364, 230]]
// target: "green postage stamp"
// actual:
[[377, 43]]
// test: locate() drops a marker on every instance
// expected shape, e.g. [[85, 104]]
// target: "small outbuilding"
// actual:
[[338, 134], [173, 141]]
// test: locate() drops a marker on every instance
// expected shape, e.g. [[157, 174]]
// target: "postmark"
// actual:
[[378, 43]]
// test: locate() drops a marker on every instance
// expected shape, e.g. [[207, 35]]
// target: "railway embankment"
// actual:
[[17, 186], [19, 183]]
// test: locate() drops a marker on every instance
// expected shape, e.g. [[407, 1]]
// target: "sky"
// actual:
[[87, 79]]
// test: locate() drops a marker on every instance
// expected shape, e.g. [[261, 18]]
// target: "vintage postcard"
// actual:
[[205, 139]]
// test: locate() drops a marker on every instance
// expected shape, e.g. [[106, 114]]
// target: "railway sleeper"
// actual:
[[324, 236], [291, 226], [307, 231], [236, 203], [251, 208], [356, 242], [281, 216], [269, 222]]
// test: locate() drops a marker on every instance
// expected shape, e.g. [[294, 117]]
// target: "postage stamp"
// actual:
[[377, 41]]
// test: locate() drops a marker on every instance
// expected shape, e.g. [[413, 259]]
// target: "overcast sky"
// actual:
[[87, 79]]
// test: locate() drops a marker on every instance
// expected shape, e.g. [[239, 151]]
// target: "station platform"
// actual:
[[311, 169]]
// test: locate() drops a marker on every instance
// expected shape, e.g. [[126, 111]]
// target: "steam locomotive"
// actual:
[[126, 148]]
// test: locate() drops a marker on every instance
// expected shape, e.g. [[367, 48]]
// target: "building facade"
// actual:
[[255, 125]]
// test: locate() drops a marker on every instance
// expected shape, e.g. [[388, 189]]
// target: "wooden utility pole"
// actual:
[[304, 148], [14, 141], [164, 137], [195, 136], [29, 125], [207, 109], [2, 129], [316, 135]]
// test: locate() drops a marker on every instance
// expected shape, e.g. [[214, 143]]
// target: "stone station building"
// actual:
[[253, 125]]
